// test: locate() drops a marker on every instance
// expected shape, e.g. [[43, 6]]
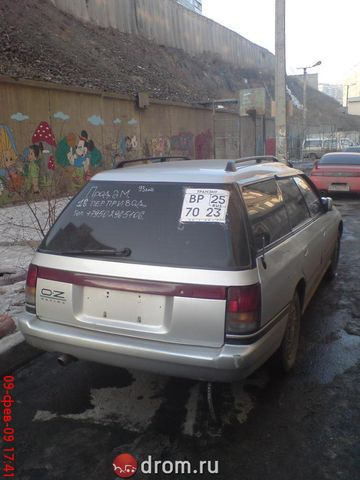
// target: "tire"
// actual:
[[287, 354], [313, 156], [331, 272]]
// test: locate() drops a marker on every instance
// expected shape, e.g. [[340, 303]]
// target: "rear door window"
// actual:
[[154, 223], [294, 201], [266, 211]]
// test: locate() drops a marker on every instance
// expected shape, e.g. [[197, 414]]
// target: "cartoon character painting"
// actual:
[[81, 154], [33, 170], [159, 146], [9, 173]]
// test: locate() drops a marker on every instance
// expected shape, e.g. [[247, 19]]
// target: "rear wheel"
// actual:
[[287, 353]]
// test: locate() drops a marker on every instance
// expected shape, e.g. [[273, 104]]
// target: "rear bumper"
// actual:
[[225, 364]]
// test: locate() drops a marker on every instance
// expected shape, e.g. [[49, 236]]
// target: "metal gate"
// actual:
[[226, 135]]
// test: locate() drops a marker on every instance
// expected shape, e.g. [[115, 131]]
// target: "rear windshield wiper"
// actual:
[[100, 252]]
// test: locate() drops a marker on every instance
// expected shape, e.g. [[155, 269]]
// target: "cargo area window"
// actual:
[[266, 211], [311, 198], [167, 224]]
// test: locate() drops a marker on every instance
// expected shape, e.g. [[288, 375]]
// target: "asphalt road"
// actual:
[[71, 422]]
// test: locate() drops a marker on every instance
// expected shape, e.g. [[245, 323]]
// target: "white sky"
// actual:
[[326, 30]]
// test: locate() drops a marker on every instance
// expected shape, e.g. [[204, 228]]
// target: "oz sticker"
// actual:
[[204, 205]]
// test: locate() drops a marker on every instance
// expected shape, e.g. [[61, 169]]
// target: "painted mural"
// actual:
[[39, 164], [203, 145], [44, 164], [159, 146], [125, 148], [10, 171], [50, 165], [79, 156], [182, 144]]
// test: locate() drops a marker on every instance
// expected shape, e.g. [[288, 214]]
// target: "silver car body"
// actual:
[[135, 315]]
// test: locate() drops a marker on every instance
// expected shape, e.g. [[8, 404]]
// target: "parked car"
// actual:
[[199, 269], [344, 144], [313, 148], [337, 172]]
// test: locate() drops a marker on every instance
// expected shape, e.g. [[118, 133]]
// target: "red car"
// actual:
[[337, 172]]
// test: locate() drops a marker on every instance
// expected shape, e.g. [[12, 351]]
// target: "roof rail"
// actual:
[[231, 164], [160, 159]]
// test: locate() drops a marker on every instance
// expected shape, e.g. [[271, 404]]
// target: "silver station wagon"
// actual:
[[198, 269]]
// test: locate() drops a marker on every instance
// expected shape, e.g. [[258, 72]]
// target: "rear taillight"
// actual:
[[243, 308], [30, 289]]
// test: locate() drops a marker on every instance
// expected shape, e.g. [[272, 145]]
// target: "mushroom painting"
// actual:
[[45, 139]]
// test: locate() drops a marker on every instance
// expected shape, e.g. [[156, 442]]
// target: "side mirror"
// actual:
[[327, 203]]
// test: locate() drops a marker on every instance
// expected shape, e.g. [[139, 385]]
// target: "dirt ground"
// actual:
[[40, 42]]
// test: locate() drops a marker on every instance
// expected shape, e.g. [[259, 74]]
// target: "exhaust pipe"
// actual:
[[64, 359]]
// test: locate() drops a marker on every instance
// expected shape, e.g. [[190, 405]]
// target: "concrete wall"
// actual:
[[168, 23], [354, 106], [82, 132], [56, 135]]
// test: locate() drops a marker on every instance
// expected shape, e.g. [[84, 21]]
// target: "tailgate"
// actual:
[[149, 310]]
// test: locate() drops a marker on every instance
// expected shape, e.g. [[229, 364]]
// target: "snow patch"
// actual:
[[294, 99], [133, 406]]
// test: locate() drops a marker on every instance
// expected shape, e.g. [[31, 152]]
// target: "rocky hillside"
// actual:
[[40, 42]]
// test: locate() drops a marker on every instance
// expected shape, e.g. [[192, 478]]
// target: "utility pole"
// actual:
[[280, 82], [304, 126], [304, 102], [347, 95]]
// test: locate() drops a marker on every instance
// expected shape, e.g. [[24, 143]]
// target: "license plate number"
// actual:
[[339, 187]]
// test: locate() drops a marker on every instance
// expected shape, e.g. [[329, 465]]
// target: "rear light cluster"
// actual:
[[243, 309], [30, 289]]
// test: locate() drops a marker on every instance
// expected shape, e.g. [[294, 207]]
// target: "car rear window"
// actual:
[[171, 224], [346, 159]]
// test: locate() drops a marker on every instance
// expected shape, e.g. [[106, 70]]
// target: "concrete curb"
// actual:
[[10, 341]]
